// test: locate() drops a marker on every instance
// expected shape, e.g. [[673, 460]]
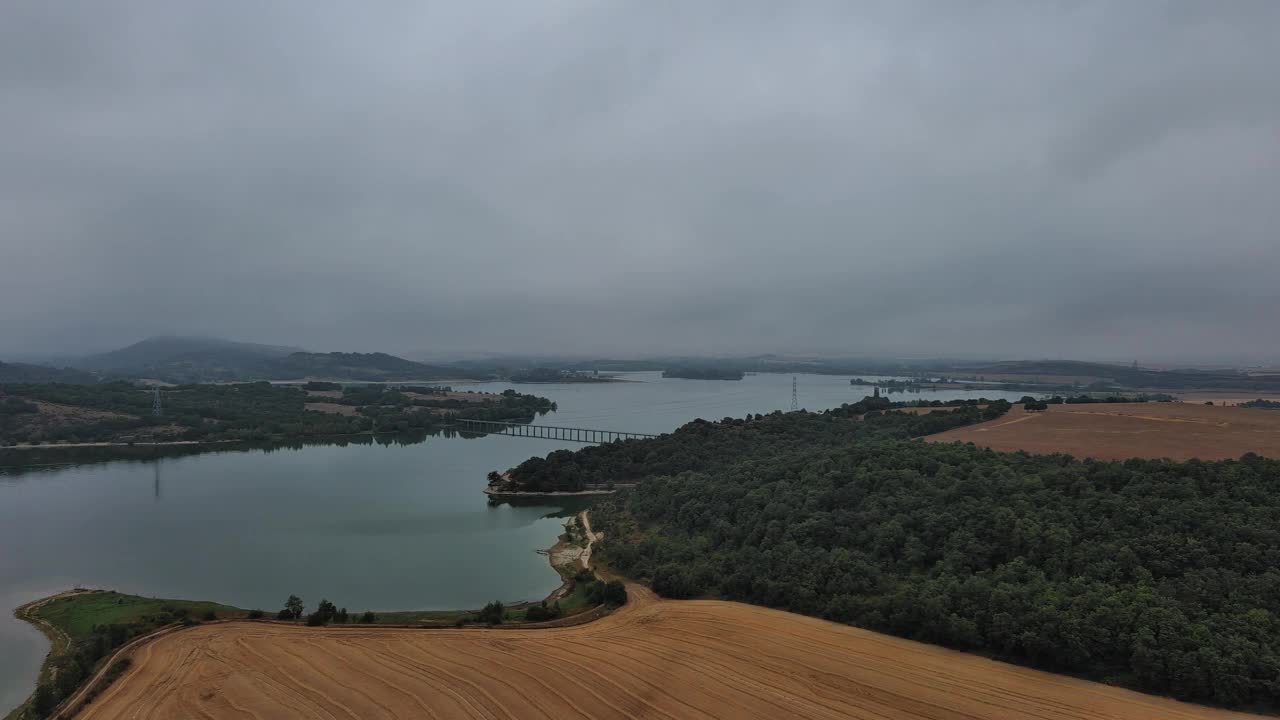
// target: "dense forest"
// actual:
[[1156, 575], [253, 412], [701, 446]]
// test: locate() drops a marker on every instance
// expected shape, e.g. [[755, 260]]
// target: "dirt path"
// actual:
[[69, 707], [651, 659], [591, 538]]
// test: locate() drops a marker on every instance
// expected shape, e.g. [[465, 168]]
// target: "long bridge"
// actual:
[[547, 432]]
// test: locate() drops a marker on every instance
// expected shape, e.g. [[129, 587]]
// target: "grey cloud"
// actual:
[[1038, 179]]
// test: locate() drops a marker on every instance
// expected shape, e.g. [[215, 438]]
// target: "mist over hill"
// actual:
[[196, 352], [192, 359]]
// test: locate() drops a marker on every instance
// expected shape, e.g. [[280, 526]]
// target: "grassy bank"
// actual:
[[86, 627]]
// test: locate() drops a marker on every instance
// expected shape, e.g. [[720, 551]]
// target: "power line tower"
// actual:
[[155, 402], [795, 402]]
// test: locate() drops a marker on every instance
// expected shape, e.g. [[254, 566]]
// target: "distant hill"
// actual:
[[184, 359], [23, 373], [369, 367], [1106, 374], [196, 360]]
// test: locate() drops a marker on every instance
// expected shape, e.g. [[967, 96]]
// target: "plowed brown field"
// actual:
[[1105, 431], [652, 659]]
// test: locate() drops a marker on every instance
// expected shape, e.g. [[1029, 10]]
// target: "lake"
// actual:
[[365, 526]]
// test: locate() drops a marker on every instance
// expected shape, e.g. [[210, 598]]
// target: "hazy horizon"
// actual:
[[1087, 181]]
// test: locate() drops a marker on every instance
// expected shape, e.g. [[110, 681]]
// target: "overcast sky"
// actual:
[[1015, 179]]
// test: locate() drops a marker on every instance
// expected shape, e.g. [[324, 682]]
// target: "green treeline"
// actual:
[[250, 412], [1160, 576], [701, 446]]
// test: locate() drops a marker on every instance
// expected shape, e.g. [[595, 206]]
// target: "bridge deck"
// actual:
[[549, 432]]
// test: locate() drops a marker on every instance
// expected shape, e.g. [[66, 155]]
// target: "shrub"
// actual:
[[210, 615], [615, 593], [540, 612], [255, 614], [368, 617], [492, 613], [316, 619]]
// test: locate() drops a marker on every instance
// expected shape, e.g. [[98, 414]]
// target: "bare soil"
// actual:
[[1179, 431], [70, 414], [652, 658], [331, 408], [926, 410]]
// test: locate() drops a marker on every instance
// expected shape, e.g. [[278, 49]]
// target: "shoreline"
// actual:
[[189, 443], [60, 642], [517, 494]]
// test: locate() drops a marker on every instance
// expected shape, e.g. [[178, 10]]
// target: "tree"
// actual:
[[326, 610], [44, 701], [368, 617], [293, 606]]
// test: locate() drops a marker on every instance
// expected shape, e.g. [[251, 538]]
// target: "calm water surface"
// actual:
[[366, 526]]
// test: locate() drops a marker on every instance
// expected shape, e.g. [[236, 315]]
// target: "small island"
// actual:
[[555, 375], [703, 373]]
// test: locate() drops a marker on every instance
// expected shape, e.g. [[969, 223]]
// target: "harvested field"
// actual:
[[1179, 431], [331, 408], [655, 659]]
